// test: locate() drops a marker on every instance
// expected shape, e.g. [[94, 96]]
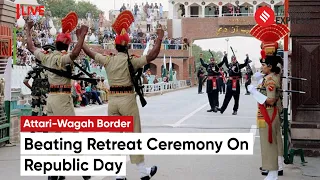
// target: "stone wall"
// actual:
[[207, 28], [7, 13]]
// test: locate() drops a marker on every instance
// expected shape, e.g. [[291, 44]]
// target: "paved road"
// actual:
[[182, 111]]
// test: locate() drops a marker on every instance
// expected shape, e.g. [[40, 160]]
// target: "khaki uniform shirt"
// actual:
[[55, 60], [117, 68], [270, 86]]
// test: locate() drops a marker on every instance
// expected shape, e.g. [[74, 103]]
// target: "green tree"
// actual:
[[60, 8], [197, 50], [84, 7]]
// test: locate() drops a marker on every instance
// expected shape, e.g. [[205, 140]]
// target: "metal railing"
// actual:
[[143, 46], [237, 14], [215, 15], [164, 86]]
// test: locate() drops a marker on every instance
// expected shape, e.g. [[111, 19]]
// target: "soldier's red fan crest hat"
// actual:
[[121, 26], [68, 23], [269, 35]]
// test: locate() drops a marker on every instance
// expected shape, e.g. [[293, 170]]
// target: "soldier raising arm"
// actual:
[[120, 68], [62, 44], [152, 55]]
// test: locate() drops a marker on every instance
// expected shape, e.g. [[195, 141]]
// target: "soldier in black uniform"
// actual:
[[212, 82], [249, 74], [40, 86], [200, 79], [233, 84]]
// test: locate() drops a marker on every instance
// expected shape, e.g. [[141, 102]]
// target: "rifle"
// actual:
[[211, 53], [136, 81], [232, 51]]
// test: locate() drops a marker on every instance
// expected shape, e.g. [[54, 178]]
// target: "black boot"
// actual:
[[121, 179], [152, 173], [248, 93], [53, 178], [265, 172], [61, 178], [234, 113], [210, 110], [86, 177], [215, 110], [219, 109]]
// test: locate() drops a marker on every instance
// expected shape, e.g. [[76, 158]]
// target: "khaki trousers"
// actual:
[[60, 105], [103, 95], [269, 151], [126, 105]]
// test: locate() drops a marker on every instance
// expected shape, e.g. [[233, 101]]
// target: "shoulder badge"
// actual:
[[271, 87]]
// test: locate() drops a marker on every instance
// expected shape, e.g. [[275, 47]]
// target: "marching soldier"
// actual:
[[122, 99], [212, 82], [40, 85], [200, 79], [249, 74], [59, 102], [233, 84]]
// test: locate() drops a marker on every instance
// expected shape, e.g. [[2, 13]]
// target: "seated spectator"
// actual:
[[102, 90], [75, 96]]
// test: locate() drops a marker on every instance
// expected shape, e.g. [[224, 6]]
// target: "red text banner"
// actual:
[[76, 124]]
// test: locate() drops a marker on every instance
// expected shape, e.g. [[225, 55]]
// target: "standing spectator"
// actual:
[[149, 21], [136, 9], [161, 11], [123, 7]]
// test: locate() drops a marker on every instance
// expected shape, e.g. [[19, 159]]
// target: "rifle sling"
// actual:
[[68, 75], [83, 70], [136, 80]]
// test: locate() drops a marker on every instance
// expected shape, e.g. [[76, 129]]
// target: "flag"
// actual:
[[145, 52], [164, 70], [170, 71]]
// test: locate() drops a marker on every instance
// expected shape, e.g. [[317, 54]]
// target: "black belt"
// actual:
[[121, 88], [60, 90]]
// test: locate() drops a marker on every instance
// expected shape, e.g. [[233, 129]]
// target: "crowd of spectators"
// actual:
[[86, 94]]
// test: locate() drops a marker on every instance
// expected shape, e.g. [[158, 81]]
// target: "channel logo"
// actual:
[[264, 16]]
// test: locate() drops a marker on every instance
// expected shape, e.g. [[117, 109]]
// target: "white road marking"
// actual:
[[98, 178], [189, 115], [253, 130]]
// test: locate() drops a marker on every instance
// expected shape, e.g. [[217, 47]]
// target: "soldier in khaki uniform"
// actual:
[[268, 119], [122, 99], [279, 136], [59, 102]]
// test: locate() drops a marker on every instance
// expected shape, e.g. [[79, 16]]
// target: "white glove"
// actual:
[[257, 95]]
